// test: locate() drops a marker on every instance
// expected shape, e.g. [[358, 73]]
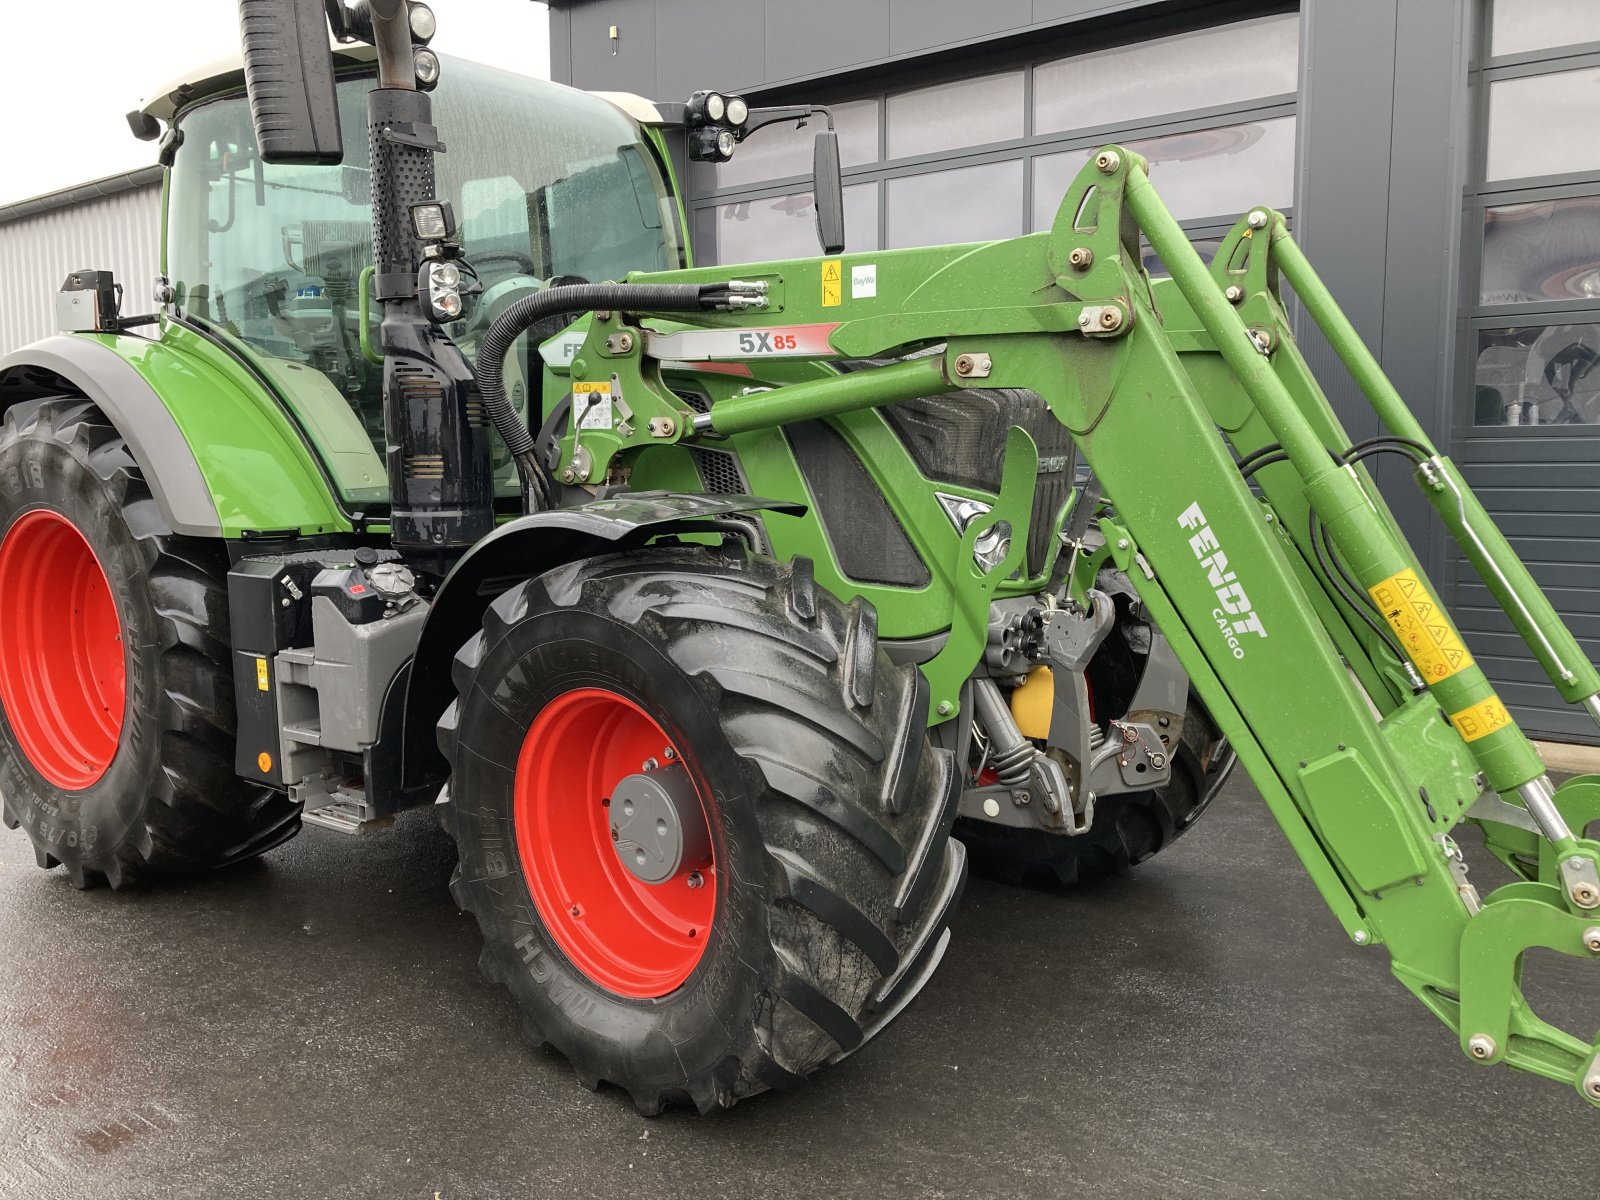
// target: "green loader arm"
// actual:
[[1303, 618]]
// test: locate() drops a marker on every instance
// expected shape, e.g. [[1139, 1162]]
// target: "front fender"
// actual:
[[522, 549]]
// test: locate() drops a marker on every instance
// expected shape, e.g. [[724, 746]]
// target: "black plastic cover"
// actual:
[[288, 72], [827, 185]]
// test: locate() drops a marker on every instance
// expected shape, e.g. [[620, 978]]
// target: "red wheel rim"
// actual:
[[635, 939], [63, 678]]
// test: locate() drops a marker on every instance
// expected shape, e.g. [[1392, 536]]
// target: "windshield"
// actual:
[[547, 183]]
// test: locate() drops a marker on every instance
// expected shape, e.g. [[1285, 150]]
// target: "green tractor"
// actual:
[[722, 612]]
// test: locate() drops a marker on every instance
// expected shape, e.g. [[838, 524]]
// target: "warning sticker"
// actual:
[[591, 402], [1421, 626], [261, 675], [1482, 719], [832, 276]]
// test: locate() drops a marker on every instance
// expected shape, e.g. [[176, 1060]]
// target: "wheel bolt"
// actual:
[[695, 879]]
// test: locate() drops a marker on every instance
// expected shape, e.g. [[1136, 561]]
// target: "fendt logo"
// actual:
[[1234, 616]]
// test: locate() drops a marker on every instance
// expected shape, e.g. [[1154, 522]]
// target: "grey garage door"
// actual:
[[989, 155], [1529, 433]]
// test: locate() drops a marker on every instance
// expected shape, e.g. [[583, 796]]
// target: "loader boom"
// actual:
[[1303, 618]]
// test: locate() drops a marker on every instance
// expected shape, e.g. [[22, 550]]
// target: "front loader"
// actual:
[[720, 612]]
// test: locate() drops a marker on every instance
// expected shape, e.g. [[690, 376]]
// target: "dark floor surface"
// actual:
[[316, 1026]]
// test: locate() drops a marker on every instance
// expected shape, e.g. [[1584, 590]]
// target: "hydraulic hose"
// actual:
[[583, 297]]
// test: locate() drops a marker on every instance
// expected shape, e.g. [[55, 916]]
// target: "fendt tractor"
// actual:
[[721, 612]]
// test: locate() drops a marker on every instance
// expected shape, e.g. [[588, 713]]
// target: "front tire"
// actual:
[[116, 687], [827, 876]]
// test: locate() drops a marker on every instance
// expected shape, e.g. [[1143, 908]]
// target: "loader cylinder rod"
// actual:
[[1380, 560], [829, 397]]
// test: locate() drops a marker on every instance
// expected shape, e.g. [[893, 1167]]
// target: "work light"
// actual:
[[433, 221], [423, 23]]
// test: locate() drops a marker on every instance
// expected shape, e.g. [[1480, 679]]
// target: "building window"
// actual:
[[989, 156], [1534, 317]]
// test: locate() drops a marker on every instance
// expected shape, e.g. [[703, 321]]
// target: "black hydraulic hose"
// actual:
[[1334, 572], [1389, 441], [583, 297]]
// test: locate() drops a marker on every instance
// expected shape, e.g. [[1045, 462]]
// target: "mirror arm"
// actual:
[[760, 118]]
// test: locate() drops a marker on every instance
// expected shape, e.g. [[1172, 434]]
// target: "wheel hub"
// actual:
[[656, 824], [616, 848], [63, 678]]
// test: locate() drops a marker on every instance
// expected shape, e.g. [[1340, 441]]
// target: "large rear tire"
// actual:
[[116, 688], [815, 903]]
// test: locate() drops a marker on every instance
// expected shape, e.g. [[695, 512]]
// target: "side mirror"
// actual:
[[288, 72], [828, 192]]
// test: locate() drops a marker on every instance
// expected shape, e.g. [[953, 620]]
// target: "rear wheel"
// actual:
[[116, 689], [699, 820]]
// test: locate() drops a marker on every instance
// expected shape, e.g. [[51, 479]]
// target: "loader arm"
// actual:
[[1304, 619]]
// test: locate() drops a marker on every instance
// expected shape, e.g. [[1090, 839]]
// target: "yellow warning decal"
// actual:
[[585, 389], [261, 674], [832, 292], [1482, 719], [1421, 625]]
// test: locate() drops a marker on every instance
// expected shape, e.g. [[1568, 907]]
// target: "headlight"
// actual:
[[427, 65], [992, 546], [726, 142], [716, 107], [738, 110], [440, 290], [448, 306], [423, 23]]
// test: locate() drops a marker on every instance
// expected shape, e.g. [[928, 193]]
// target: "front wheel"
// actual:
[[117, 710], [699, 821]]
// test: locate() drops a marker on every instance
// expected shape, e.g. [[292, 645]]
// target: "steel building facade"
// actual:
[[111, 223], [1436, 159]]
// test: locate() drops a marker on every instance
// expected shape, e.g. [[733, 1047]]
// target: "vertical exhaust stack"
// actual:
[[441, 491], [440, 484]]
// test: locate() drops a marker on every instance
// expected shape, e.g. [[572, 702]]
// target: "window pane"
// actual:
[[1546, 250], [1524, 25], [1544, 124], [1125, 84], [968, 112], [1207, 173], [781, 227], [779, 151], [1157, 269], [1538, 375], [969, 204]]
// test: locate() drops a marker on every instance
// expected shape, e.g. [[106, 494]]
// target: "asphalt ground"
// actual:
[[315, 1025]]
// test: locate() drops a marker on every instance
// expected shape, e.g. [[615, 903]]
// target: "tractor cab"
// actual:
[[274, 260]]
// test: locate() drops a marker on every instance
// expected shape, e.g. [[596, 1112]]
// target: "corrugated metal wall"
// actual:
[[121, 232]]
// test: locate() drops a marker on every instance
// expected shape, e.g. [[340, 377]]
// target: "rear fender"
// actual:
[[219, 453], [70, 364], [523, 549]]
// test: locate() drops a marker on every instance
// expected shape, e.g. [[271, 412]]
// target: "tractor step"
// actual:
[[341, 809]]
